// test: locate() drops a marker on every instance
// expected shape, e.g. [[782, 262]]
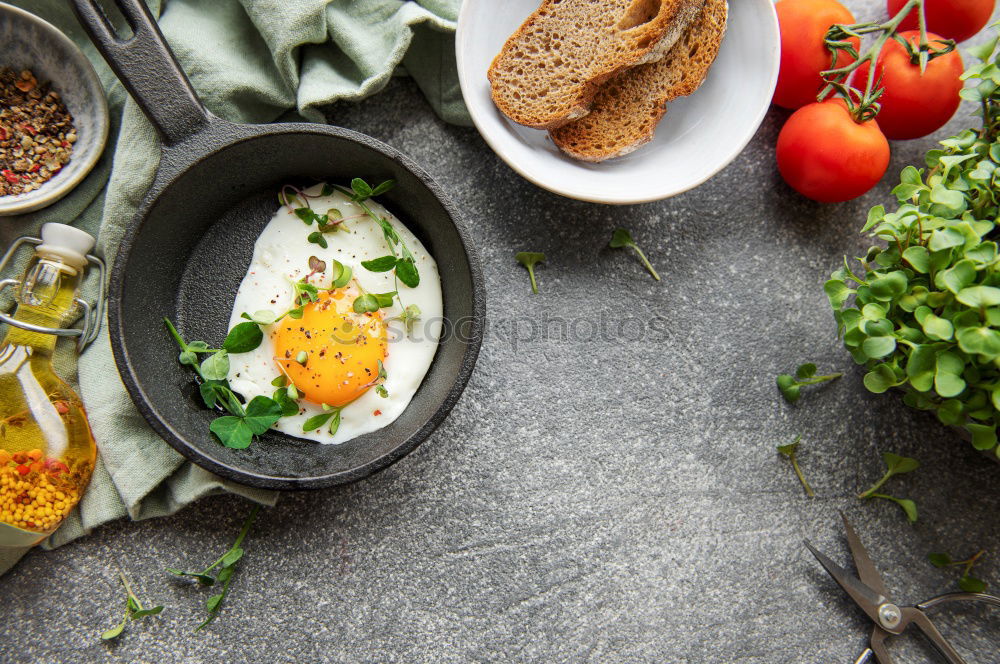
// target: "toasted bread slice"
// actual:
[[627, 109], [550, 69]]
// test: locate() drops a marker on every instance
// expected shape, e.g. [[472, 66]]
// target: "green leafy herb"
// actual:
[[283, 397], [227, 565], [261, 317], [380, 379], [341, 274], [237, 431], [305, 292], [895, 465], [790, 451], [372, 302], [133, 610], [790, 386], [362, 191], [316, 237], [317, 421], [529, 259], [405, 267], [243, 338], [383, 264], [410, 315], [922, 314], [966, 581], [621, 239]]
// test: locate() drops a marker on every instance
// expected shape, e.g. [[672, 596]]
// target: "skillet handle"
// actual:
[[146, 67]]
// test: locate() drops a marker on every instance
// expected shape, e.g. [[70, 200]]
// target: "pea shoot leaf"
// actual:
[[406, 271], [215, 366], [243, 338], [383, 264]]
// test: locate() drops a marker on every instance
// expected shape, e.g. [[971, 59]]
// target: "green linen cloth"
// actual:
[[250, 61]]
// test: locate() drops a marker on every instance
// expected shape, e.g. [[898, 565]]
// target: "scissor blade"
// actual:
[[866, 568], [869, 600]]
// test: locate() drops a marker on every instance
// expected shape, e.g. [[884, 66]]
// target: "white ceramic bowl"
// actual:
[[697, 138], [28, 42]]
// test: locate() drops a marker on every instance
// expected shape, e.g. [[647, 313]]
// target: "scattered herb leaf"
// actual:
[[966, 581], [133, 610], [228, 563], [529, 259], [790, 386], [895, 465], [790, 452], [621, 239]]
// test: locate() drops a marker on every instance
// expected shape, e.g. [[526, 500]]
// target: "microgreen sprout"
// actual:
[[621, 239], [805, 374], [331, 415], [133, 610], [529, 259], [382, 375], [790, 451], [966, 581], [237, 429], [371, 302], [405, 263], [227, 563], [922, 314], [410, 315], [895, 465]]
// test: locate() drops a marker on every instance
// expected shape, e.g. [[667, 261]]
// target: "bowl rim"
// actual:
[[497, 144], [49, 195], [220, 135]]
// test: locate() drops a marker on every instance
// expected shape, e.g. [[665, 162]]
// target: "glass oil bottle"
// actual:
[[47, 450]]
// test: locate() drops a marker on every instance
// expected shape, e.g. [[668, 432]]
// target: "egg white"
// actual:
[[281, 257]]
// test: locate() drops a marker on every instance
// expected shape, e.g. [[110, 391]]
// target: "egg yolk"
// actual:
[[341, 349]]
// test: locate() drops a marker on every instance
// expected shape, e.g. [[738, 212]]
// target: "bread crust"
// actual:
[[628, 107], [533, 85]]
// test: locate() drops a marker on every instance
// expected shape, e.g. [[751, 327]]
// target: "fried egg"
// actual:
[[368, 365]]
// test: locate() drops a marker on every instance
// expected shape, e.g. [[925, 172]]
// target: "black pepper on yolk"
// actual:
[[342, 348]]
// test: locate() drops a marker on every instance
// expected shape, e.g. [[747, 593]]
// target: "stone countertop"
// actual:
[[607, 489]]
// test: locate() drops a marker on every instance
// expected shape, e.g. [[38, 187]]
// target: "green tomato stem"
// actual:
[[866, 107]]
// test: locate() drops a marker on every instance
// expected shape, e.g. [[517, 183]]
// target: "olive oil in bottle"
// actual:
[[47, 451]]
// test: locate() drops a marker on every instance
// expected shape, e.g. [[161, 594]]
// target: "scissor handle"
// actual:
[[919, 618], [959, 597]]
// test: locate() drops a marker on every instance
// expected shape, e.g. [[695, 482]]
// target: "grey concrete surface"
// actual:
[[597, 495]]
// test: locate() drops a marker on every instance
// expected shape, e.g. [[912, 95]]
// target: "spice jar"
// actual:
[[47, 451]]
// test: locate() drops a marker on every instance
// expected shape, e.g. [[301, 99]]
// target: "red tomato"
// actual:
[[803, 53], [954, 19], [914, 104], [827, 156]]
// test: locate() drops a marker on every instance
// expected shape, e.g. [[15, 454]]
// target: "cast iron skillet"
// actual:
[[186, 251]]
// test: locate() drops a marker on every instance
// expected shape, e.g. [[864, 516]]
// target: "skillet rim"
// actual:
[[221, 134]]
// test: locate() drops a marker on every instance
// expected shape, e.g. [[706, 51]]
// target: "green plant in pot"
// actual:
[[925, 311]]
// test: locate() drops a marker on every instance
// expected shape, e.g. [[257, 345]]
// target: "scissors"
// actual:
[[869, 593]]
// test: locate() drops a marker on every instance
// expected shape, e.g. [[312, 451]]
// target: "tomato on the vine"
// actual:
[[827, 156], [803, 53], [914, 104], [953, 19]]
